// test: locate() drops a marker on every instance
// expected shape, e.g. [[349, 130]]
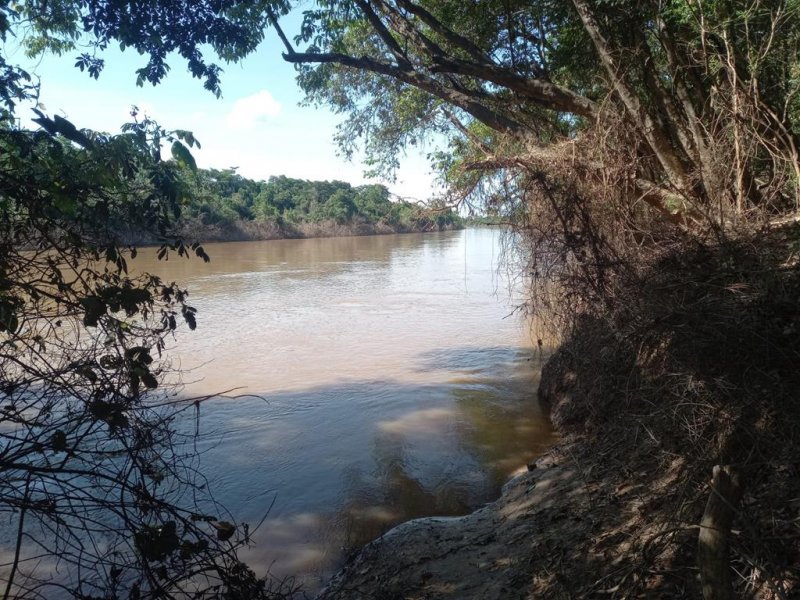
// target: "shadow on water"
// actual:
[[344, 463]]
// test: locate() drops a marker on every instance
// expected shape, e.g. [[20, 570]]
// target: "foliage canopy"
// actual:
[[223, 198]]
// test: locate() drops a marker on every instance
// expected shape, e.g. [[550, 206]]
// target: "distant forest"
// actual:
[[224, 203]]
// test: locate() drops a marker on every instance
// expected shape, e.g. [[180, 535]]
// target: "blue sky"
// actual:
[[256, 126]]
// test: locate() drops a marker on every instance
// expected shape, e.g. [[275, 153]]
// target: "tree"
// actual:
[[154, 29], [693, 87], [339, 207], [372, 201], [93, 470]]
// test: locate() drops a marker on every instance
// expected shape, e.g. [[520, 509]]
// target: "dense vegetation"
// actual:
[[644, 148], [692, 108], [225, 200]]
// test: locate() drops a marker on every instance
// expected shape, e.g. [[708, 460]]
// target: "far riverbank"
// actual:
[[261, 231]]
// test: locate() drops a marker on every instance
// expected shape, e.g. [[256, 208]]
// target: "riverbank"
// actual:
[[570, 526], [261, 231], [693, 374], [563, 529]]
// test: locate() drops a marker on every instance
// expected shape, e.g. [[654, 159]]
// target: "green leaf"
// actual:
[[182, 155], [69, 131], [8, 319], [110, 362], [59, 125], [100, 409], [112, 414], [88, 373], [188, 315], [149, 380], [202, 254], [224, 529], [65, 204], [157, 543], [188, 137], [138, 355]]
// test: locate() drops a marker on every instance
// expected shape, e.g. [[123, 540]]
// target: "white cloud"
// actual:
[[250, 110]]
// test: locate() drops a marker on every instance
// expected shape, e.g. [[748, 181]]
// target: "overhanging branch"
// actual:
[[458, 98], [547, 94]]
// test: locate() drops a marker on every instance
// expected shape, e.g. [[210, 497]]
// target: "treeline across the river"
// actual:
[[223, 205]]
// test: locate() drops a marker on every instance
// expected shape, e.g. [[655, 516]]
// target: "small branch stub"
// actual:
[[715, 528]]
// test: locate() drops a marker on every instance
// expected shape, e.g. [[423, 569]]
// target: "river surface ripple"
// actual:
[[393, 383]]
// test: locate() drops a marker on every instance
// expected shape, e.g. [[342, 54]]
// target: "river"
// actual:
[[392, 382]]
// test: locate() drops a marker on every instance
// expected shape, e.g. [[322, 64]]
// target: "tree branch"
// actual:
[[384, 34], [274, 21], [476, 141], [458, 98], [457, 40], [656, 138], [547, 94], [20, 530], [421, 42]]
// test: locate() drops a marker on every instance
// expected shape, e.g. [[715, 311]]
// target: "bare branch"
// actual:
[[384, 34]]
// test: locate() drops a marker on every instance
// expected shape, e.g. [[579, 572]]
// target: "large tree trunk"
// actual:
[[690, 102], [651, 130]]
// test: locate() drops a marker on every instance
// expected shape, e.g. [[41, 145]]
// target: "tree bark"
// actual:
[[545, 93], [701, 129]]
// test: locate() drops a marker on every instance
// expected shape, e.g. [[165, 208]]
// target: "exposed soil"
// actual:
[[556, 532]]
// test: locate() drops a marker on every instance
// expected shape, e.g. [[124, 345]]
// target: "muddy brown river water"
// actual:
[[393, 382]]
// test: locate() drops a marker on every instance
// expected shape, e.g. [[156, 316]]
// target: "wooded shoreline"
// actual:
[[643, 152], [250, 231]]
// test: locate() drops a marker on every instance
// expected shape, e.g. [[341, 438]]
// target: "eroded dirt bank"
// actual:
[[487, 554], [693, 366], [558, 531]]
